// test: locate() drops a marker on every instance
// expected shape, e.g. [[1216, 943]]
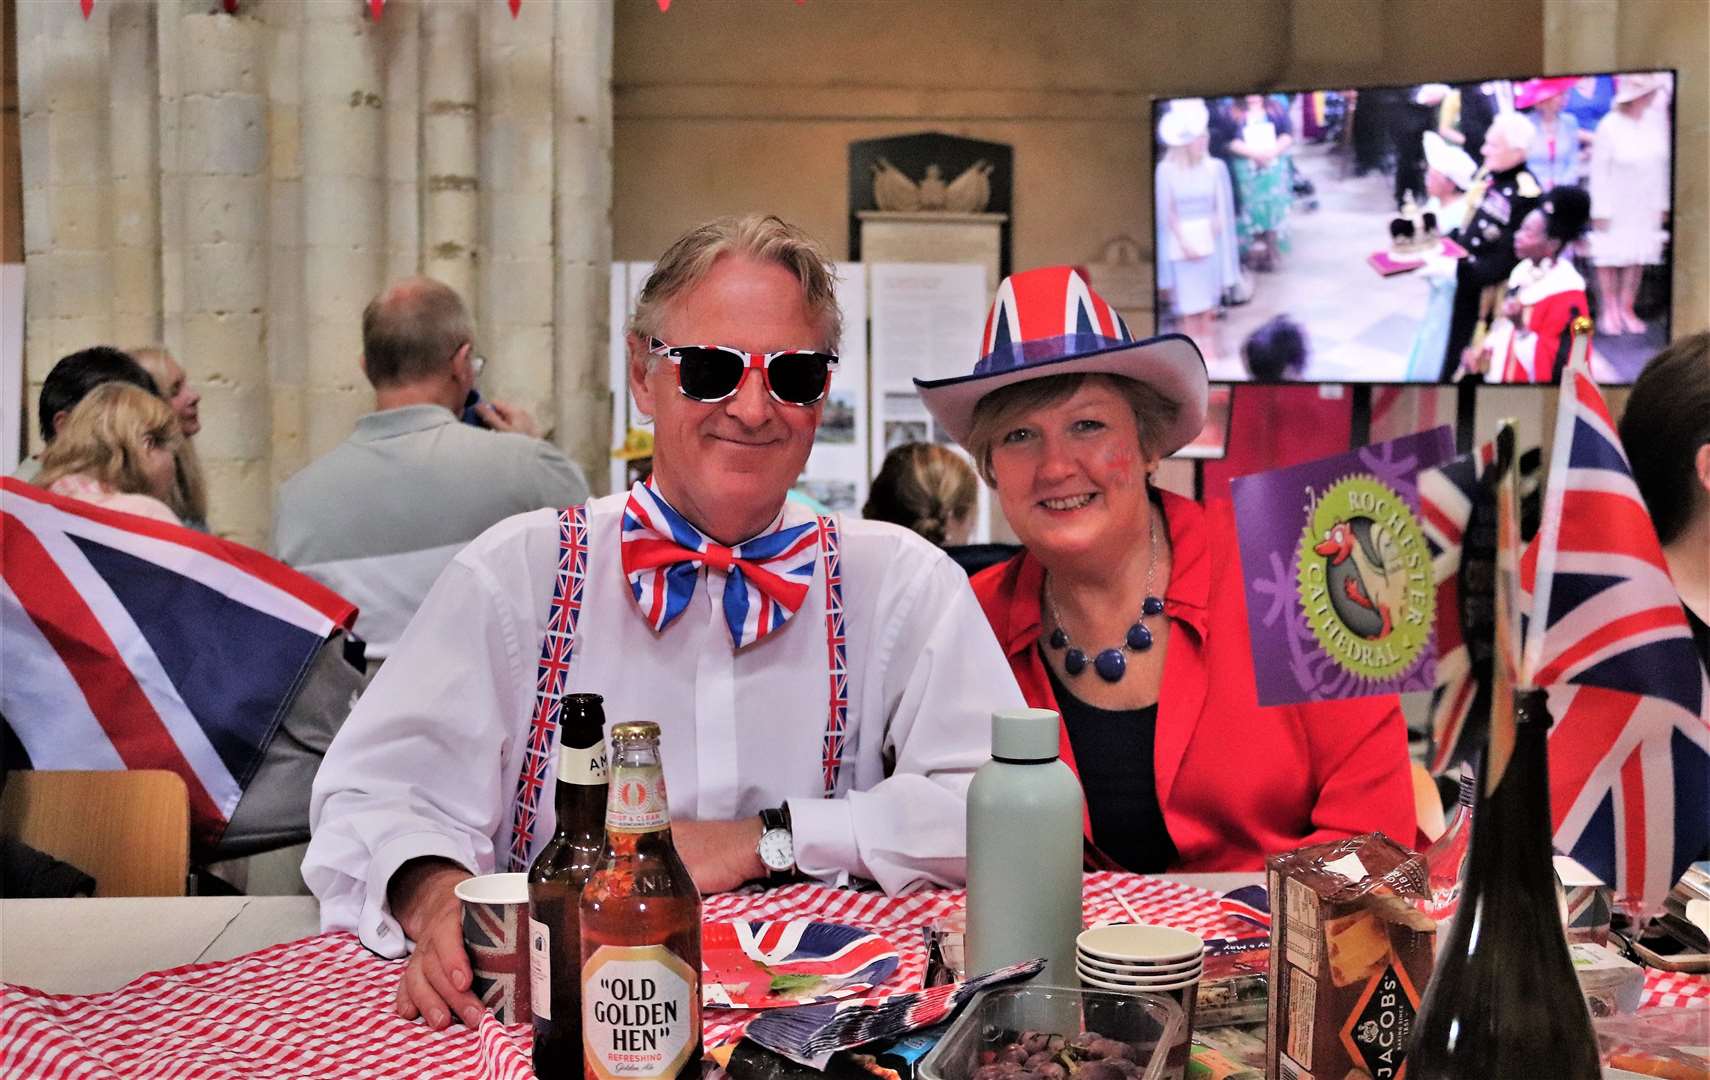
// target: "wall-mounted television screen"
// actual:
[[1431, 233]]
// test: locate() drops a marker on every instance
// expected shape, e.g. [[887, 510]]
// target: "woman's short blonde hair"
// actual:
[[107, 435], [1004, 408], [762, 237], [923, 487]]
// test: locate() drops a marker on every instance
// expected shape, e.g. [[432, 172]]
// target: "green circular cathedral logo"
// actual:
[[1365, 578]]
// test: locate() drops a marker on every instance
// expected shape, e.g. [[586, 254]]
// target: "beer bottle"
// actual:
[[1504, 999], [555, 887], [641, 930]]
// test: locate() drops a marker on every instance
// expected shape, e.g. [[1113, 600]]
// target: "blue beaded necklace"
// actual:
[[1112, 663]]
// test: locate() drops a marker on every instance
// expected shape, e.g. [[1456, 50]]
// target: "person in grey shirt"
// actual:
[[380, 515]]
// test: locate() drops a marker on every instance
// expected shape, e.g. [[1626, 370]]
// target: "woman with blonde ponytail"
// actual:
[[928, 489]]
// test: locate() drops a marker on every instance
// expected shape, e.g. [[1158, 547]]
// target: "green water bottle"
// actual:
[[1024, 851]]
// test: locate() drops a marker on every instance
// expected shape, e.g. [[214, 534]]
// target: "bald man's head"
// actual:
[[412, 331]]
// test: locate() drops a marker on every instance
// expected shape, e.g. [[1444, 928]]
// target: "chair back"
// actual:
[[128, 829]]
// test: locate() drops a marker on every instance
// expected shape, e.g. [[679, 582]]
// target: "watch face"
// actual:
[[777, 849]]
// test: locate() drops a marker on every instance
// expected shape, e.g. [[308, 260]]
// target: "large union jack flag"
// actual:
[[128, 643], [1630, 749], [663, 553]]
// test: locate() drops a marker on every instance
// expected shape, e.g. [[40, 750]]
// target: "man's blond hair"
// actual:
[[762, 237]]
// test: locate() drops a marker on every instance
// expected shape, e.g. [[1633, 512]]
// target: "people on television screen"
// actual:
[[1449, 173], [1509, 192], [1264, 178], [1629, 197], [1195, 209], [1529, 341]]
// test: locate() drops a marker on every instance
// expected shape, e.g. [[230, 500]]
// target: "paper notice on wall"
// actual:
[[12, 365], [836, 475], [927, 321]]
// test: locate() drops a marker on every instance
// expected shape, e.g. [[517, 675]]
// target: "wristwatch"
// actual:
[[777, 847]]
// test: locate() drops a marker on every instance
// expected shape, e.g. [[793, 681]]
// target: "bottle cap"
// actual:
[[1024, 734], [635, 731]]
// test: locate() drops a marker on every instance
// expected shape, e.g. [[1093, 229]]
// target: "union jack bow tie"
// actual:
[[663, 555]]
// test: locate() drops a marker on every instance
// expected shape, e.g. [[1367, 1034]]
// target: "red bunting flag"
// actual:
[[664, 5], [87, 6], [516, 8], [375, 7]]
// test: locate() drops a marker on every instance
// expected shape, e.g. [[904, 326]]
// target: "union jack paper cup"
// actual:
[[495, 933]]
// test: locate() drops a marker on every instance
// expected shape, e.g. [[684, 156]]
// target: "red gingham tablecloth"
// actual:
[[322, 1006]]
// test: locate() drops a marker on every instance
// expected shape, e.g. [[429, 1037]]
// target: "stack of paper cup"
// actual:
[[1138, 958]]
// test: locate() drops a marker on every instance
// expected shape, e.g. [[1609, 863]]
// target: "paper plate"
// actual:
[[769, 965]]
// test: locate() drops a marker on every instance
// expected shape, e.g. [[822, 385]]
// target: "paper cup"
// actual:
[[1137, 982], [1138, 967], [495, 934], [1130, 942], [1184, 994]]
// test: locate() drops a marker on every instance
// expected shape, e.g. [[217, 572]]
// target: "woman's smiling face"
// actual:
[[1071, 476]]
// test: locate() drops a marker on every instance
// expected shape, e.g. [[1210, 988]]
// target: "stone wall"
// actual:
[[240, 186]]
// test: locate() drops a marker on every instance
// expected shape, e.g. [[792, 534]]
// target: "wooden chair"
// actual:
[[128, 829]]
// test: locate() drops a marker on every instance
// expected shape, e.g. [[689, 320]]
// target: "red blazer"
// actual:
[[1236, 782]]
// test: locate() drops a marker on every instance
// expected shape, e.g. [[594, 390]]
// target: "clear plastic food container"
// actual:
[[1152, 1028]]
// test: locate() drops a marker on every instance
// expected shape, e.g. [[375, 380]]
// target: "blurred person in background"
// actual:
[[1504, 192], [380, 515], [1277, 351], [1666, 433], [1126, 614], [1449, 173], [189, 493], [1195, 210], [68, 382], [1262, 176], [927, 489], [1529, 341], [116, 449], [1554, 154], [1629, 200]]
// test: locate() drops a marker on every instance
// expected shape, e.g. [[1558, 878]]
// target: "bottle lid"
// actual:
[[635, 731], [1024, 735]]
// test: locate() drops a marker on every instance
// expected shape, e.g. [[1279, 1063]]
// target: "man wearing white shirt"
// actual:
[[834, 676]]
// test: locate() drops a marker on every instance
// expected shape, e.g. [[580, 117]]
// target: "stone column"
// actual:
[[286, 360], [582, 220], [63, 104], [222, 166], [516, 159], [450, 151], [400, 45], [134, 123], [344, 198]]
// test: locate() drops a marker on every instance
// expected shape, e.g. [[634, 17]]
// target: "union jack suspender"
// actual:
[[559, 642]]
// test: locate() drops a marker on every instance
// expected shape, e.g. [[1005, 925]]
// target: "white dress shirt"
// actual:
[[427, 763]]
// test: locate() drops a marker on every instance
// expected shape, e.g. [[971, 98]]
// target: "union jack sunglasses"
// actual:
[[712, 373]]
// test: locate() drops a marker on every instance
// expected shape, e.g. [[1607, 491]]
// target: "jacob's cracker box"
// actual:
[[1350, 954]]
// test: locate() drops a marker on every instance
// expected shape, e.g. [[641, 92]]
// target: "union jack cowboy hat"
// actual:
[[1049, 321]]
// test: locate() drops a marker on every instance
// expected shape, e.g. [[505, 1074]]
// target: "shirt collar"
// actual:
[[1185, 598], [402, 421]]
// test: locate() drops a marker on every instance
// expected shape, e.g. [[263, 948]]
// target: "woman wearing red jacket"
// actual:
[[1125, 612]]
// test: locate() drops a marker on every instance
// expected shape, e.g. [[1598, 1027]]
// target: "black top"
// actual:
[[1113, 754]]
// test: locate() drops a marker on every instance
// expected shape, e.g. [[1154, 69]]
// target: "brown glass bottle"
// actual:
[[555, 887], [641, 930], [1504, 1000]]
